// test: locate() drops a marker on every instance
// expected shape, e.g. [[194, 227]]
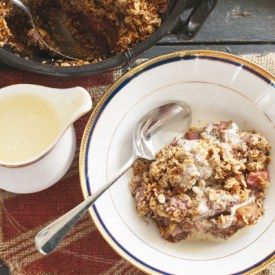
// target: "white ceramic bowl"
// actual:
[[217, 86]]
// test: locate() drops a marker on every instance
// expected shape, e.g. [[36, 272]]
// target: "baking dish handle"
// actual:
[[190, 26]]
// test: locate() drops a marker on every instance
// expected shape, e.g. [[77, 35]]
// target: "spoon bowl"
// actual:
[[50, 31], [161, 125]]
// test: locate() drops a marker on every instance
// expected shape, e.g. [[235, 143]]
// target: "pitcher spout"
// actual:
[[33, 119]]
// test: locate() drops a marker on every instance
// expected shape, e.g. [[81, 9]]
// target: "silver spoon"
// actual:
[[153, 132], [58, 39]]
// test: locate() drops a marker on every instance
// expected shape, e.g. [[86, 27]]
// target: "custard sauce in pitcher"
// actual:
[[33, 119], [28, 125]]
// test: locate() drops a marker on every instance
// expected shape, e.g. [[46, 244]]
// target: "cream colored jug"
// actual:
[[33, 121]]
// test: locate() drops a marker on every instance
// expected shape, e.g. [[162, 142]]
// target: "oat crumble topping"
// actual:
[[105, 27], [212, 180]]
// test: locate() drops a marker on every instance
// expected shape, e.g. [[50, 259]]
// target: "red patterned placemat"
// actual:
[[21, 216]]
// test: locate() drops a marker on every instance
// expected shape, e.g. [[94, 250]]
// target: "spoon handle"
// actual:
[[48, 238], [21, 5]]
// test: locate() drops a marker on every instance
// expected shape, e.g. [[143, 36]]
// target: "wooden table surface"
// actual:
[[234, 26]]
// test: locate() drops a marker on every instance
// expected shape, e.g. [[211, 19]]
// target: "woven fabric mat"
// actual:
[[21, 216]]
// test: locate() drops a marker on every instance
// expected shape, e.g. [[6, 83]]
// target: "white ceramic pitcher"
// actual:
[[37, 138]]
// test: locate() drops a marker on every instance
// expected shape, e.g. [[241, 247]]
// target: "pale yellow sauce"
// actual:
[[28, 125]]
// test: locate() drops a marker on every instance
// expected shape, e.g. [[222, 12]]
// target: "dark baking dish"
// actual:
[[200, 9]]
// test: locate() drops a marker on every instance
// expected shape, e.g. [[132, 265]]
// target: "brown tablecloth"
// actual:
[[21, 216]]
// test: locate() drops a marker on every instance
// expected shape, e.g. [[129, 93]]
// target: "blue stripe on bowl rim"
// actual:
[[123, 84]]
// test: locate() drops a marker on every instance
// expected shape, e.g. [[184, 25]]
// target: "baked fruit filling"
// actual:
[[211, 180], [104, 28]]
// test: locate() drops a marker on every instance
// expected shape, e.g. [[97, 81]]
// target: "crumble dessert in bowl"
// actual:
[[113, 32], [211, 180], [219, 88], [103, 28]]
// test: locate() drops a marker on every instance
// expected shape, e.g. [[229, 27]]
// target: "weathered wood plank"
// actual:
[[235, 21], [233, 49]]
